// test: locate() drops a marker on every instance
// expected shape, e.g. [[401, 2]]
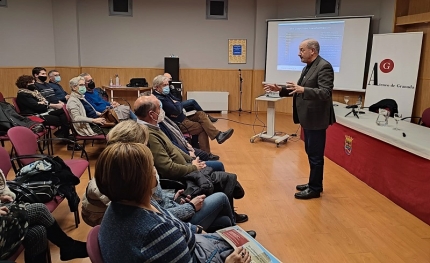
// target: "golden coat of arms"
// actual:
[[348, 144]]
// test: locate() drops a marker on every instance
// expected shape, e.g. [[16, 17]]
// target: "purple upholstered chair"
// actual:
[[93, 248], [25, 143]]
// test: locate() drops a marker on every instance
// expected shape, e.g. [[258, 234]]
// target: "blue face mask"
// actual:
[[166, 90], [57, 78]]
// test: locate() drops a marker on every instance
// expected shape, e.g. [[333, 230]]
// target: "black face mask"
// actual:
[[42, 78], [91, 85], [31, 87]]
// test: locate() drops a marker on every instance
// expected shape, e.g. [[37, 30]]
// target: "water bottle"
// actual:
[[110, 83], [117, 80]]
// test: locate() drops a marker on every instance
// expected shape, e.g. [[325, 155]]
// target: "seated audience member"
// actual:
[[33, 233], [30, 101], [44, 88], [212, 212], [172, 163], [135, 228], [190, 104], [54, 82], [197, 124], [82, 112], [94, 98], [177, 138]]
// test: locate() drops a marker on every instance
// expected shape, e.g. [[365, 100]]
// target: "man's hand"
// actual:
[[192, 153], [114, 104], [198, 201], [295, 88], [271, 87], [199, 164], [67, 97]]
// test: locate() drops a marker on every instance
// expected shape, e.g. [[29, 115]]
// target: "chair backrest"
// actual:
[[93, 247], [15, 104], [24, 141], [5, 163], [425, 118], [66, 112]]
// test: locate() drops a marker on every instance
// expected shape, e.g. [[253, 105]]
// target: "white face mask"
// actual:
[[161, 116]]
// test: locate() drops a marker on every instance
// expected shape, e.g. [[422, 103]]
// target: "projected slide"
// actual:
[[329, 34]]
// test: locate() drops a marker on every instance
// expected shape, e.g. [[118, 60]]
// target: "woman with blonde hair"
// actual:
[[157, 235], [211, 213]]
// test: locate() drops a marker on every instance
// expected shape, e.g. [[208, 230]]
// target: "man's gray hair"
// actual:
[[52, 72], [84, 74], [75, 81], [158, 81], [313, 44]]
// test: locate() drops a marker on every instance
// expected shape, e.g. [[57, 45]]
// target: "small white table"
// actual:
[[270, 133]]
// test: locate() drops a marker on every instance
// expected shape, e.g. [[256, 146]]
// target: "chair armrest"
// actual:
[[412, 117], [172, 184], [31, 156]]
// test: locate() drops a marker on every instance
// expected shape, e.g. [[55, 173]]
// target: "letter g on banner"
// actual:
[[386, 65]]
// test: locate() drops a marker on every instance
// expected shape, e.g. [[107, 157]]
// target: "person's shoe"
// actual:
[[212, 119], [252, 233], [240, 218], [76, 250], [224, 136], [213, 157], [302, 187], [307, 194], [70, 147]]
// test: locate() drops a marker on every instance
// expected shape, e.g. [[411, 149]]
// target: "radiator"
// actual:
[[210, 100]]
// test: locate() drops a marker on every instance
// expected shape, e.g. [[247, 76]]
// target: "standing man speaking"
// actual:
[[313, 109]]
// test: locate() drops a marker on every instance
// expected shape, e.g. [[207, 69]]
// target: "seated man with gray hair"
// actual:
[[197, 124], [100, 105]]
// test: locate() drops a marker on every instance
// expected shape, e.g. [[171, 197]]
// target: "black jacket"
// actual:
[[28, 104], [10, 118]]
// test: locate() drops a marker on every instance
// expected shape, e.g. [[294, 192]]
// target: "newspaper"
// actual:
[[237, 237]]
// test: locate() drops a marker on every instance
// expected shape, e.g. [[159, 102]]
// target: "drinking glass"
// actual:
[[397, 118], [346, 99]]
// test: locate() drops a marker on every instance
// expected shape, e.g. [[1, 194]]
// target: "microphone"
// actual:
[[240, 70]]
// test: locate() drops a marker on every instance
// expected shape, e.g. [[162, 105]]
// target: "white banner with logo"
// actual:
[[393, 69]]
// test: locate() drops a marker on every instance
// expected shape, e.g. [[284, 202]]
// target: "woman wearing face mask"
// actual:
[[81, 111], [31, 102]]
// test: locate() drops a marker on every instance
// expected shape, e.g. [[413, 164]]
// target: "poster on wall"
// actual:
[[237, 51], [393, 69]]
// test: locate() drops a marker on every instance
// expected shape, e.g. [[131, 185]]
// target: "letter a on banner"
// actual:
[[394, 69]]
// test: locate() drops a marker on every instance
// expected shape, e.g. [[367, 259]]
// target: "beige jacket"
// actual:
[[77, 113], [94, 204]]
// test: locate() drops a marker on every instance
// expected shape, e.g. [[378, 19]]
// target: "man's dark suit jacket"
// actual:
[[313, 109], [173, 110]]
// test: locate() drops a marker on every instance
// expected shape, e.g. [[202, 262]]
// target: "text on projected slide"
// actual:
[[328, 34]]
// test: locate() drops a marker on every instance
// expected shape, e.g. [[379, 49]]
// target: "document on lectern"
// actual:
[[237, 237]]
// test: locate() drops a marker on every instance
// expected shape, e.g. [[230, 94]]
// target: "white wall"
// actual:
[[81, 33], [26, 34], [66, 35], [382, 10], [159, 28], [266, 9]]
